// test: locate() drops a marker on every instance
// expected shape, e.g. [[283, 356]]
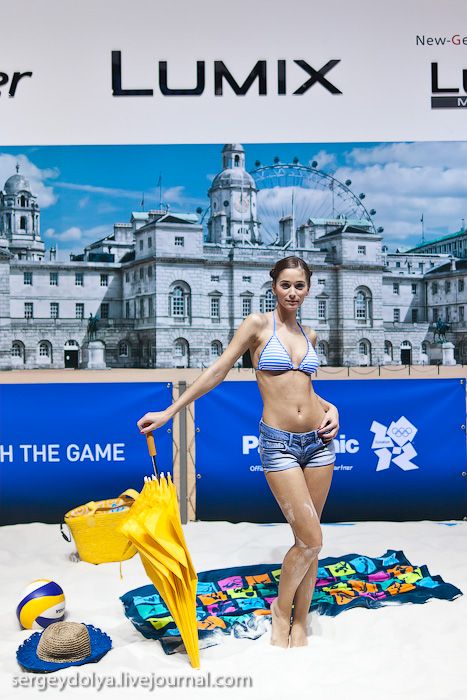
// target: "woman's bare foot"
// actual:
[[298, 636], [280, 626]]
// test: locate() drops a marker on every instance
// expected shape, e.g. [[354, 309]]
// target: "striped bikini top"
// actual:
[[274, 356]]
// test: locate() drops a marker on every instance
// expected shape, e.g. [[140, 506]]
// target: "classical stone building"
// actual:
[[166, 296]]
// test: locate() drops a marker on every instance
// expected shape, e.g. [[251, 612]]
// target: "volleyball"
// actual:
[[42, 602]]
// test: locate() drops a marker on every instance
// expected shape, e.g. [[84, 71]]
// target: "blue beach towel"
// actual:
[[237, 600]]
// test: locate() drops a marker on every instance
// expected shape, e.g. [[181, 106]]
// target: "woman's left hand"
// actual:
[[329, 426]]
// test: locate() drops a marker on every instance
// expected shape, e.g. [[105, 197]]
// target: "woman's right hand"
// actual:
[[151, 421]]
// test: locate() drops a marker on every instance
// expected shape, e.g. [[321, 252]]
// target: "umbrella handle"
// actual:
[[151, 444], [152, 451]]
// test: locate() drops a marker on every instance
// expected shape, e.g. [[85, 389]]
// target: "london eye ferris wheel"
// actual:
[[306, 193]]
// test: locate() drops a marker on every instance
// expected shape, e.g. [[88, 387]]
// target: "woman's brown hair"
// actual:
[[286, 263]]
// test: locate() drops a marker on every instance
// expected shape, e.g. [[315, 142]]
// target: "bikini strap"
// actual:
[[307, 338], [274, 322]]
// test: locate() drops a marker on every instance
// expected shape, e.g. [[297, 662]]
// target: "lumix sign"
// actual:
[[269, 80], [444, 97]]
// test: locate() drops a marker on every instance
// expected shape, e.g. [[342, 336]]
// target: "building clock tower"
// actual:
[[232, 195], [20, 219]]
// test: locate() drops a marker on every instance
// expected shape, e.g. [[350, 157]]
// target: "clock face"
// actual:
[[241, 202]]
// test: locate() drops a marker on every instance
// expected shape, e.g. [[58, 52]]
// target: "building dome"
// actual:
[[233, 177], [17, 183], [233, 147]]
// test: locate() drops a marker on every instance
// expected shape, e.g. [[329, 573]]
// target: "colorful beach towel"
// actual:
[[237, 600]]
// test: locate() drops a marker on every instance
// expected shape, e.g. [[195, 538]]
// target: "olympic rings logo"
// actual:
[[401, 432]]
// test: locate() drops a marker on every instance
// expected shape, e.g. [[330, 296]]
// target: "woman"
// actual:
[[296, 434]]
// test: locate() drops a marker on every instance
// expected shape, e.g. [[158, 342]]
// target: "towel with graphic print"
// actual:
[[237, 600]]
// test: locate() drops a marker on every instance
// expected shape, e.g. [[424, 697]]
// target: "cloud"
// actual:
[[175, 196], [402, 181], [325, 160], [96, 189], [75, 234], [448, 154], [37, 177]]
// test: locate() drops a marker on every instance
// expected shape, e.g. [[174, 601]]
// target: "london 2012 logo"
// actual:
[[393, 443]]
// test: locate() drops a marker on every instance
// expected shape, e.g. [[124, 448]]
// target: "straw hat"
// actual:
[[63, 644]]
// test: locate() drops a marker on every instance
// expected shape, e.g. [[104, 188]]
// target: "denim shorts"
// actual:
[[280, 449]]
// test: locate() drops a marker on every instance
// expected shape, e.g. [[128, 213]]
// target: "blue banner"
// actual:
[[400, 452], [62, 445]]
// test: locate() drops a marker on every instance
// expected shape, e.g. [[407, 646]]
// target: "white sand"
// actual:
[[405, 651]]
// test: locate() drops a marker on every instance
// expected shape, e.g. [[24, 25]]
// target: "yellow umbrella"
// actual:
[[164, 555], [154, 527]]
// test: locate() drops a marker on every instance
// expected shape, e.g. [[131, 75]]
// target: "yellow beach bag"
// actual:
[[94, 529]]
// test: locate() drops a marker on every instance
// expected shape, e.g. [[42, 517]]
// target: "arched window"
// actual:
[[364, 352], [237, 161], [216, 349], [17, 350], [123, 350], [181, 356], [22, 201], [73, 344], [180, 300], [23, 223], [362, 305], [322, 349], [44, 349], [267, 301], [424, 348], [44, 352], [388, 348]]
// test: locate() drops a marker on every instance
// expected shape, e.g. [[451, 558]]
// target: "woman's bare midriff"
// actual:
[[289, 400]]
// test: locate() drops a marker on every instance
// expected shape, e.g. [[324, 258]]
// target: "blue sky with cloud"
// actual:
[[84, 190]]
